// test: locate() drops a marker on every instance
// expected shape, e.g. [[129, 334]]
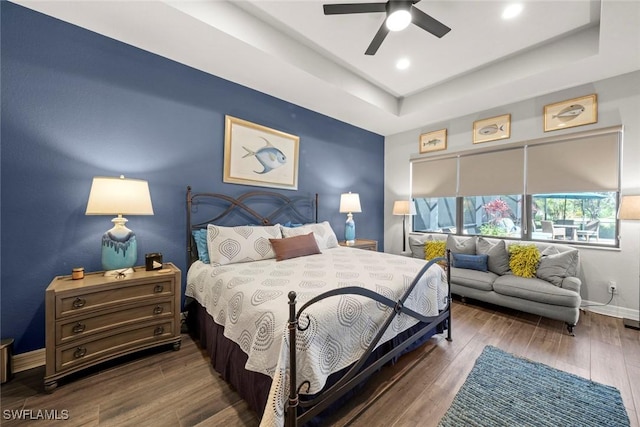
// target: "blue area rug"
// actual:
[[505, 390]]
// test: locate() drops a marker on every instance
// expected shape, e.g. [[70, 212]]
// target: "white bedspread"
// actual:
[[250, 301]]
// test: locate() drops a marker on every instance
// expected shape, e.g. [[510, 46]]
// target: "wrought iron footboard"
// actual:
[[355, 375]]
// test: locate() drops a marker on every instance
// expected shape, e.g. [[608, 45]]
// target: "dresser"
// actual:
[[99, 318]]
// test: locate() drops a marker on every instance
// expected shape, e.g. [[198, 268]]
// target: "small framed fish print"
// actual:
[[570, 113], [260, 156], [492, 129], [433, 141]]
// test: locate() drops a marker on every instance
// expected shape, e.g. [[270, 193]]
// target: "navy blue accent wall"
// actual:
[[76, 105]]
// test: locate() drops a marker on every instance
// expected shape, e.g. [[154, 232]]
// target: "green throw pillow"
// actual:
[[523, 260], [434, 249]]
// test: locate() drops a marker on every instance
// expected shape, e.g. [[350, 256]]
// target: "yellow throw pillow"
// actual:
[[434, 249], [523, 260]]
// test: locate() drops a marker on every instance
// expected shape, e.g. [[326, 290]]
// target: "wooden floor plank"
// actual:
[[179, 388]]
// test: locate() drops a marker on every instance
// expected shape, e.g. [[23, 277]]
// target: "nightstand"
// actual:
[[370, 245], [98, 318]]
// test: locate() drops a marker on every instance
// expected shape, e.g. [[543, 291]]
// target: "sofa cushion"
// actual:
[[472, 262], [473, 278], [417, 245], [534, 289], [523, 260], [498, 261], [461, 244], [554, 265]]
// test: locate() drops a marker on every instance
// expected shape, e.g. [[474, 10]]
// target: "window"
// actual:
[[561, 188], [435, 214], [499, 216], [587, 217]]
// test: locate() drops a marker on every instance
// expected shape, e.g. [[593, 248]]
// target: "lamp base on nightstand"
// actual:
[[630, 323]]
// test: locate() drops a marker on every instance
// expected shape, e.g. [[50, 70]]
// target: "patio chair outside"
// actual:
[[592, 229], [554, 232]]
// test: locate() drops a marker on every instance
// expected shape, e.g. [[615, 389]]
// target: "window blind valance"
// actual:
[[434, 178], [586, 162], [498, 172], [590, 163]]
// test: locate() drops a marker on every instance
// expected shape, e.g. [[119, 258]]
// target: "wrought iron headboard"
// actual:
[[252, 208]]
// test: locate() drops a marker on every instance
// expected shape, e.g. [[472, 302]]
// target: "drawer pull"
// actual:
[[78, 327], [158, 331], [80, 352], [79, 302], [158, 309], [158, 289]]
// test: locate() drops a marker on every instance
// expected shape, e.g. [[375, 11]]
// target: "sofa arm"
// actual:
[[571, 283]]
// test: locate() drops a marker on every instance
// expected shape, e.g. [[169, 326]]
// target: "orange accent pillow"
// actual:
[[293, 247]]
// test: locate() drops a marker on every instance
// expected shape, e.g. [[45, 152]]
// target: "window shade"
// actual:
[[435, 178], [583, 164], [499, 172]]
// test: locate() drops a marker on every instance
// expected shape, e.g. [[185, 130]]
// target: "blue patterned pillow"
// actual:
[[200, 237], [470, 262], [291, 225]]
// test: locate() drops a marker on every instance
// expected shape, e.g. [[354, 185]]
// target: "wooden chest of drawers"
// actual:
[[99, 318]]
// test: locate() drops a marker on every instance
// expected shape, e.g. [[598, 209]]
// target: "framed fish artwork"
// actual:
[[260, 156], [492, 129], [570, 113], [433, 141]]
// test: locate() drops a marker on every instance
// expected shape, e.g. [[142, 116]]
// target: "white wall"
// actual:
[[618, 103]]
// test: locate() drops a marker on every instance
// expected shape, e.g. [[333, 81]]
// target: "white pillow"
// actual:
[[230, 245], [323, 233]]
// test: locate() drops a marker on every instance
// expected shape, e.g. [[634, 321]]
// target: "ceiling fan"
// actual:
[[400, 13]]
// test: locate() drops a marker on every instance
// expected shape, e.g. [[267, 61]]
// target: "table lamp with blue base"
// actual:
[[119, 247], [350, 203], [109, 196]]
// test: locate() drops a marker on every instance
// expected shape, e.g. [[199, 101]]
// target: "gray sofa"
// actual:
[[553, 293]]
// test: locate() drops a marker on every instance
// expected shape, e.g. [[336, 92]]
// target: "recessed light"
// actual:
[[403, 64], [512, 11]]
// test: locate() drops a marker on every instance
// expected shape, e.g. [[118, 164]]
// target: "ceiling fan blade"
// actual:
[[377, 40], [428, 23], [340, 9]]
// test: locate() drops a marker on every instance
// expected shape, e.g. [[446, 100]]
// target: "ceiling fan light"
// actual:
[[398, 20]]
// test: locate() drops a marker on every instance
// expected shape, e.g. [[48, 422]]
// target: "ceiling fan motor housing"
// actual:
[[398, 15], [393, 6]]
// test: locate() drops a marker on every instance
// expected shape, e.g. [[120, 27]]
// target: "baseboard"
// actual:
[[610, 310], [29, 360]]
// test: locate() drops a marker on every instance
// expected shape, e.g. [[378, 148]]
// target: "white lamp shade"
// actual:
[[119, 196], [629, 207], [350, 202], [404, 207]]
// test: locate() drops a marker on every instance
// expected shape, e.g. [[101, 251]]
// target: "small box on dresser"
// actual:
[[98, 318]]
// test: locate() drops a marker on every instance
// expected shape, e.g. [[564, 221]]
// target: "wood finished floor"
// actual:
[[170, 388]]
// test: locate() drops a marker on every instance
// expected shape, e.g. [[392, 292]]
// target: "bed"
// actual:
[[295, 334]]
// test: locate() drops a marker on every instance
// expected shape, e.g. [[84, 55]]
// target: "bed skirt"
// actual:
[[229, 360]]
